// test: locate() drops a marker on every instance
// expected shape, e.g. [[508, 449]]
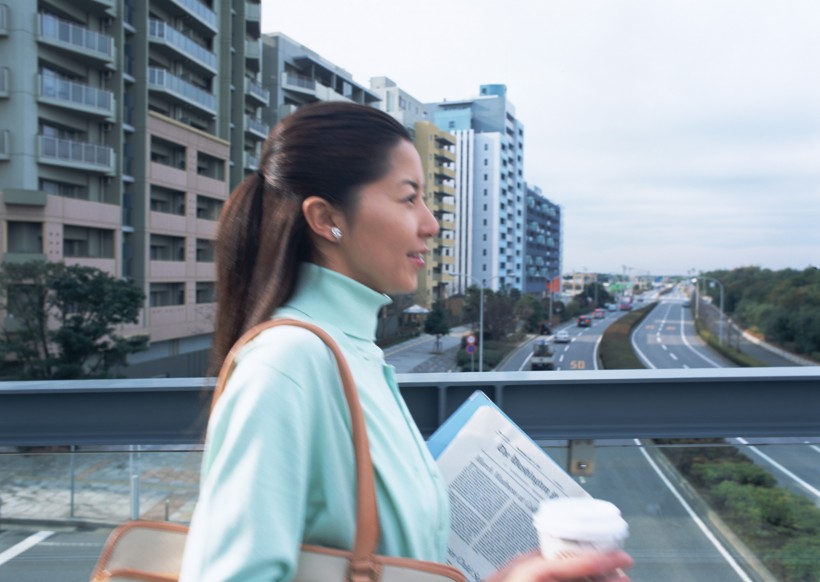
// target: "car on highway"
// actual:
[[562, 337], [542, 357], [599, 313], [584, 321]]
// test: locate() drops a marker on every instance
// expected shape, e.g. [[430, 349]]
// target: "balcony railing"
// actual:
[[253, 11], [163, 80], [76, 37], [161, 31], [200, 11], [256, 127], [76, 154], [5, 144], [77, 95], [256, 90], [252, 49], [251, 161]]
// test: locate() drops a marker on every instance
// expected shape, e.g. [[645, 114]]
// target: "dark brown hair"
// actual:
[[326, 149]]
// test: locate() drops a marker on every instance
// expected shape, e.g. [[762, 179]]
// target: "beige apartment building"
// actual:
[[436, 148], [123, 126]]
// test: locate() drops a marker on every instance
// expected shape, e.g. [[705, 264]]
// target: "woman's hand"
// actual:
[[534, 568]]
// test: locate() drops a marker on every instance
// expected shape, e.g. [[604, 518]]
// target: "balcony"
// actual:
[[173, 86], [76, 96], [251, 161], [76, 154], [5, 144], [160, 32], [253, 49], [256, 127], [4, 81], [444, 155], [4, 20], [78, 39], [200, 12], [256, 91], [253, 11], [131, 448], [298, 83], [445, 172]]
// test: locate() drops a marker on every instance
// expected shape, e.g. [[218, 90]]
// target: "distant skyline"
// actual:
[[676, 135]]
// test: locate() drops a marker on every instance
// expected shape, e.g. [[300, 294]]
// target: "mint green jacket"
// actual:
[[278, 465]]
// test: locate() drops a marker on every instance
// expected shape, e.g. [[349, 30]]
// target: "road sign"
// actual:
[[471, 339], [470, 348]]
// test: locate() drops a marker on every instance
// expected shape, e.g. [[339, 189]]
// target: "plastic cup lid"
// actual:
[[581, 518]]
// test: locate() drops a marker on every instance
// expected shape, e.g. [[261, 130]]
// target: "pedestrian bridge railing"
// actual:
[[771, 402]]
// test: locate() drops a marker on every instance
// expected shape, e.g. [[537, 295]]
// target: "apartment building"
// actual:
[[296, 76], [437, 152], [123, 126], [542, 246], [492, 194]]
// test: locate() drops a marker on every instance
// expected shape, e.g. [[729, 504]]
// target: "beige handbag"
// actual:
[[152, 551]]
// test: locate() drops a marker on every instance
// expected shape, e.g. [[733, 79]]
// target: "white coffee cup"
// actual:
[[572, 526]]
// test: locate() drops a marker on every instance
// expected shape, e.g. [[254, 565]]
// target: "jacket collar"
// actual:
[[327, 296]]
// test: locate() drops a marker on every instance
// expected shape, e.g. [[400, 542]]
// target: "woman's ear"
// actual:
[[322, 218]]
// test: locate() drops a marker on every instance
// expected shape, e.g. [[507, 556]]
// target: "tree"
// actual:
[[61, 319], [436, 323], [530, 310]]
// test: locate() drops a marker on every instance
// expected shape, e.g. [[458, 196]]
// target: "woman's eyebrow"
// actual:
[[411, 183]]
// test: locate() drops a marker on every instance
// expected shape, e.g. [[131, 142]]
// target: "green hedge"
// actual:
[[616, 351], [782, 528]]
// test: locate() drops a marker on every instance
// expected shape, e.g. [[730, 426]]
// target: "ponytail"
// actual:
[[259, 246]]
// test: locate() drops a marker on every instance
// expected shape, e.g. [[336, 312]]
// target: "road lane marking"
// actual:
[[664, 347], [698, 521], [21, 547], [673, 356], [595, 352], [777, 465], [815, 447], [688, 345]]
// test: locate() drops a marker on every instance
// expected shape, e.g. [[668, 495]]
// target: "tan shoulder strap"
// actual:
[[367, 516]]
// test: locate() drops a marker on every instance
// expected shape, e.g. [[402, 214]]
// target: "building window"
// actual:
[[63, 189], [95, 243], [205, 292], [166, 294], [25, 237], [208, 208], [167, 200], [167, 248], [210, 166], [204, 250]]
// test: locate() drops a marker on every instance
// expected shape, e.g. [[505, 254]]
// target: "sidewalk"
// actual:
[[103, 487]]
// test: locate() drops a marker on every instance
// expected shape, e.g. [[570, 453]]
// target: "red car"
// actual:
[[584, 321]]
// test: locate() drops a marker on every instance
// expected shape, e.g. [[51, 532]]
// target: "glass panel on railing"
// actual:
[[708, 510]]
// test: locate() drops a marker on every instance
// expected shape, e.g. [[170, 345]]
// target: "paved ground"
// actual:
[[107, 487]]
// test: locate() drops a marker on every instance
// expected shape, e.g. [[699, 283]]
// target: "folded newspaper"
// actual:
[[496, 476]]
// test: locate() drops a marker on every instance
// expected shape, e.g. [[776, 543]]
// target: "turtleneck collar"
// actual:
[[325, 295]]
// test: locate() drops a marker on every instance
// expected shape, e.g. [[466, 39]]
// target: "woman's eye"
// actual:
[[411, 199]]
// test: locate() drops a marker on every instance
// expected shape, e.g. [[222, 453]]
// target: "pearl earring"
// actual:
[[336, 232]]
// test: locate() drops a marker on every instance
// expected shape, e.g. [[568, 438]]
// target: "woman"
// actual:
[[334, 220]]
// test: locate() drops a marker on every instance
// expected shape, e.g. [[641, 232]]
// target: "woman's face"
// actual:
[[383, 242]]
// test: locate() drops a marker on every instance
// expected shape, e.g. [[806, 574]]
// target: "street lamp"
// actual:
[[722, 315], [481, 283]]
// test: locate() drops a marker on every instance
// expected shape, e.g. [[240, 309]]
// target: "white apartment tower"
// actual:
[[491, 188]]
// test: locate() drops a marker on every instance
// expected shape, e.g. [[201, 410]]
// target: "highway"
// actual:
[[669, 540]]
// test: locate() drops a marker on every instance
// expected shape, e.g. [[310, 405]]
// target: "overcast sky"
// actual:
[[675, 134]]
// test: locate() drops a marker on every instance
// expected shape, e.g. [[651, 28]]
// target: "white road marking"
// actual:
[[673, 356], [21, 547], [688, 345], [777, 465], [698, 521]]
